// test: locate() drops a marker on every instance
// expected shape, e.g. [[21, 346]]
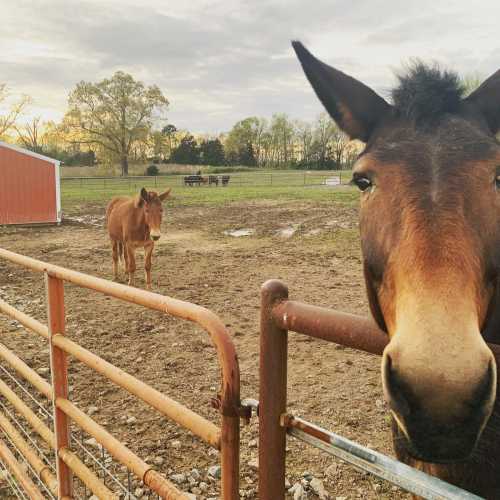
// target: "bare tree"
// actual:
[[304, 137], [282, 132], [13, 111], [324, 130], [339, 143], [30, 134]]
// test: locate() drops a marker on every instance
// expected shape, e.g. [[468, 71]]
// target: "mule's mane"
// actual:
[[425, 93]]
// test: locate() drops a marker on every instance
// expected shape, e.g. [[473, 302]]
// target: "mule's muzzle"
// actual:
[[440, 446], [155, 234], [434, 433]]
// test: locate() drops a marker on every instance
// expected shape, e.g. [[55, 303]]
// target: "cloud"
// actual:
[[219, 61]]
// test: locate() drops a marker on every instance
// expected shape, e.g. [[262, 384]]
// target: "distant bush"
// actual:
[[152, 170]]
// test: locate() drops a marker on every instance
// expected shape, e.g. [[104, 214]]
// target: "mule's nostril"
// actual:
[[440, 414], [394, 390], [156, 238], [484, 395]]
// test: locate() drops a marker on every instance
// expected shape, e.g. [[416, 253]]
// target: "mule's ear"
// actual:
[[486, 99], [356, 108], [142, 198], [165, 195]]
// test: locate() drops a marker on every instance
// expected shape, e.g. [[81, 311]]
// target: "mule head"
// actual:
[[151, 202], [429, 223]]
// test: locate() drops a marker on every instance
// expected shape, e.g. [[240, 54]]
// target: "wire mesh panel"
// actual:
[[56, 450], [34, 455], [116, 477]]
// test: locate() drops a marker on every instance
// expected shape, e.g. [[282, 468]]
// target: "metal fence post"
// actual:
[[272, 394], [230, 457], [59, 373]]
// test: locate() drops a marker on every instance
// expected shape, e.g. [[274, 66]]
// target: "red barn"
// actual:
[[30, 189]]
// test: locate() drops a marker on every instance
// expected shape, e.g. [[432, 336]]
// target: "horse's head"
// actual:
[[151, 202], [430, 236]]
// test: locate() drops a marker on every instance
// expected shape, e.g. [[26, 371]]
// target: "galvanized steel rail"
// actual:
[[398, 473], [278, 315], [226, 439]]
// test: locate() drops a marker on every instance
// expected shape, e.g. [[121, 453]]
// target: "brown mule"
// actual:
[[430, 235], [134, 222]]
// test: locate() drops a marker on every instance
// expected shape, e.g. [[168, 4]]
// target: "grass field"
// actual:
[[285, 186]]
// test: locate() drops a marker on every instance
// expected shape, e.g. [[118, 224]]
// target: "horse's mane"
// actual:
[[425, 93]]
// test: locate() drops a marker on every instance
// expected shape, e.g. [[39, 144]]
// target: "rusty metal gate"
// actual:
[[278, 315], [42, 482]]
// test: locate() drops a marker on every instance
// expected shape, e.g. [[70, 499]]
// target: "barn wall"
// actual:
[[27, 189]]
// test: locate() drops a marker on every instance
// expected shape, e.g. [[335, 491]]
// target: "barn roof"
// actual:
[[29, 153]]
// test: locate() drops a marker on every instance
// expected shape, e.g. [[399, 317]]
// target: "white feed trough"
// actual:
[[332, 181]]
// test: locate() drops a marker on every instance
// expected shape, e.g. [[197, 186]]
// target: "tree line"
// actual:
[[119, 119]]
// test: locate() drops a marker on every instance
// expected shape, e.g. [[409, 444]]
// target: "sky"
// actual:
[[219, 61]]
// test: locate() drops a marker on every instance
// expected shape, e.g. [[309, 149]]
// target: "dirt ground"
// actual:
[[313, 247]]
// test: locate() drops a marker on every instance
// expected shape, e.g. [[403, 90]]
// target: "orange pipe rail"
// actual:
[[39, 467], [26, 372], [47, 435], [24, 319], [120, 452], [181, 309], [37, 425], [86, 475], [349, 330], [200, 426], [228, 361], [18, 472]]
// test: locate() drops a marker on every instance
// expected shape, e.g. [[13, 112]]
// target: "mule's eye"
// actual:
[[497, 179], [362, 182]]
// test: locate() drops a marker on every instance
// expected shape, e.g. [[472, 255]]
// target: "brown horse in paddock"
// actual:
[[429, 178], [134, 222]]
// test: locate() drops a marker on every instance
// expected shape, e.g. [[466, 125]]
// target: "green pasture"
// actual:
[[246, 187]]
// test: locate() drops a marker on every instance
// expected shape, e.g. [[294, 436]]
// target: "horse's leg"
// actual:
[[125, 258], [121, 256], [130, 259], [115, 254], [148, 254]]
